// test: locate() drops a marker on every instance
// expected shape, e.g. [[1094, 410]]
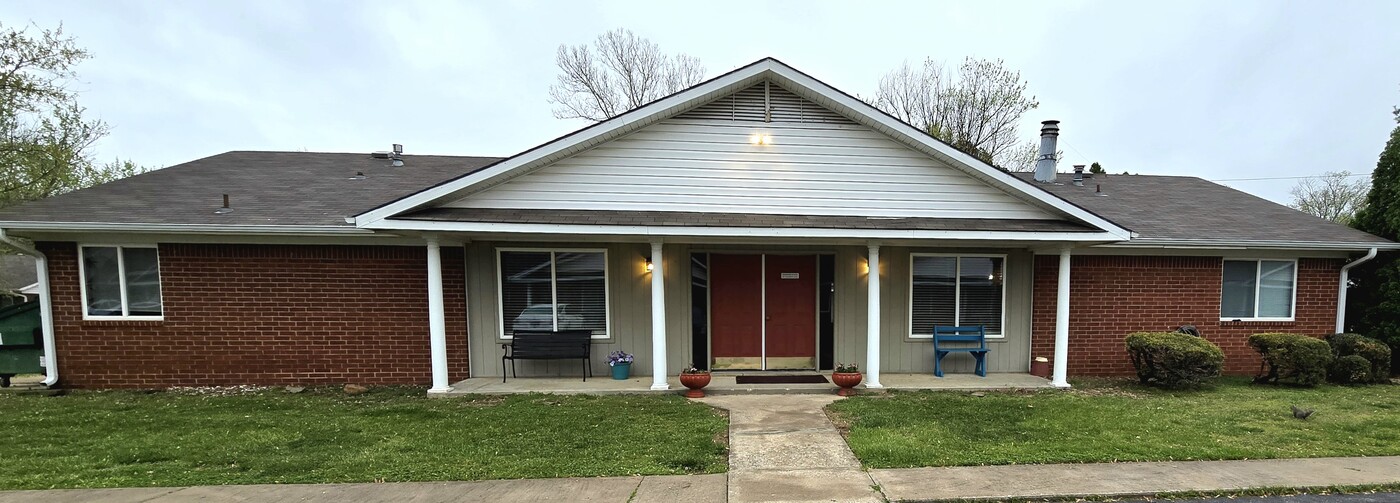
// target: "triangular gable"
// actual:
[[796, 82], [760, 150]]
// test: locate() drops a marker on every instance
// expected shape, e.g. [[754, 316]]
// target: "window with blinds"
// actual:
[[956, 291], [553, 290], [1257, 289]]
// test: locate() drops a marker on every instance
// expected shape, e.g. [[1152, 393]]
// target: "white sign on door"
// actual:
[[789, 275]]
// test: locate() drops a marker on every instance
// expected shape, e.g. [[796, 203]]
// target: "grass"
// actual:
[[125, 439], [1106, 421]]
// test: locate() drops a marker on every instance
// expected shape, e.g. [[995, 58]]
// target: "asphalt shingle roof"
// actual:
[[316, 189], [264, 188], [1189, 208]]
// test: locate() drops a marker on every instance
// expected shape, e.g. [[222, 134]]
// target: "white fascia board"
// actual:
[[300, 230], [913, 136], [773, 232], [1250, 245], [765, 68], [579, 140]]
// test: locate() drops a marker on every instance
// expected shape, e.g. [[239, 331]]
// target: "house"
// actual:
[[17, 279], [760, 220]]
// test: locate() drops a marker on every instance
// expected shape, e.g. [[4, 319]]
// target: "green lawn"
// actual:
[[117, 439], [1119, 421]]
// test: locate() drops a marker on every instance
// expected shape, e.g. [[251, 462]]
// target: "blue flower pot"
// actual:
[[622, 371]]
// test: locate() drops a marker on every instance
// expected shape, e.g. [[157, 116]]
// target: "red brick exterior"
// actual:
[[265, 314], [1112, 296]]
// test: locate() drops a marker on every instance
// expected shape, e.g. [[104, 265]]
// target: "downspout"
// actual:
[[1342, 288], [41, 264]]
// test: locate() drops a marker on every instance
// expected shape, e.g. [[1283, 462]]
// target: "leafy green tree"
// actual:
[[45, 140], [1374, 299], [1096, 169]]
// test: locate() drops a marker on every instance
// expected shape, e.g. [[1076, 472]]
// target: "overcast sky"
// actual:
[[1220, 90]]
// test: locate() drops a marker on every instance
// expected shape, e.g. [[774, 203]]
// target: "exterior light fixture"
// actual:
[[650, 266], [761, 139]]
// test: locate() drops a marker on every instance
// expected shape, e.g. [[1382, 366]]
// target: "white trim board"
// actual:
[[771, 69]]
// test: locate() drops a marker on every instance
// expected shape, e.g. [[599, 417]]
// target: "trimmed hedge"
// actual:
[[1350, 369], [1174, 359], [1376, 353], [1291, 357]]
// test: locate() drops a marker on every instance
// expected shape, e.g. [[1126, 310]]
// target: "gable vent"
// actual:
[[765, 102]]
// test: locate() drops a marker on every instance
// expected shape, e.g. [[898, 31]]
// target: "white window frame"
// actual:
[[121, 282], [553, 289], [1258, 283], [957, 290]]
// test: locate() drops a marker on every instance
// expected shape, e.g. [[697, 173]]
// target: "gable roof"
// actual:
[[790, 78], [1186, 211], [268, 191]]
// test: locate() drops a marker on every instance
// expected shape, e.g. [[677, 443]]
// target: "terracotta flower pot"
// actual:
[[1040, 367], [847, 381], [696, 383]]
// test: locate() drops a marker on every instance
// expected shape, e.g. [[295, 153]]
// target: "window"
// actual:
[[1258, 290], [554, 290], [120, 282], [956, 291]]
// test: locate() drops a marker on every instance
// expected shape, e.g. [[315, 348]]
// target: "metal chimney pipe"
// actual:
[[1078, 175], [1045, 161]]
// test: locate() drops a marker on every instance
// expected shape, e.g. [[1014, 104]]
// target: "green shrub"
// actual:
[[1174, 360], [1291, 357], [1350, 369], [1375, 352]]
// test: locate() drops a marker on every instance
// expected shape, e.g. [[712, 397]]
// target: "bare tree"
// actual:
[[1333, 196], [978, 109], [620, 72]]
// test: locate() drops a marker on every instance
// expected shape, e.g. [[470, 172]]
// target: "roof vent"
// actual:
[[1078, 175], [1045, 161], [397, 156], [359, 175], [380, 155], [225, 209]]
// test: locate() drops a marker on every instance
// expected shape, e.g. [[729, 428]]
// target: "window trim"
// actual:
[[553, 289], [1258, 283], [957, 290], [121, 282]]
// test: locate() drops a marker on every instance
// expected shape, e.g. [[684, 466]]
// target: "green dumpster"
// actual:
[[21, 341]]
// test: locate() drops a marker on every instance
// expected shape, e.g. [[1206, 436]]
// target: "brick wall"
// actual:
[[265, 314], [1112, 296]]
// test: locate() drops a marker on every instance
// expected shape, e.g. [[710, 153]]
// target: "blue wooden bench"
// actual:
[[960, 335]]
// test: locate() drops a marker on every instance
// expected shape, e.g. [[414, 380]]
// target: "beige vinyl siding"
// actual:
[[899, 353], [816, 165], [629, 290]]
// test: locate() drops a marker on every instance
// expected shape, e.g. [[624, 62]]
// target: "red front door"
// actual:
[[790, 297], [763, 311], [736, 311]]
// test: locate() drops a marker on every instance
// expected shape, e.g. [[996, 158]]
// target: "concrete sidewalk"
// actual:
[[658, 489], [1130, 479]]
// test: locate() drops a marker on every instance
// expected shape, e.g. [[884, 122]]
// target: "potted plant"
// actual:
[[621, 363], [847, 376], [696, 380]]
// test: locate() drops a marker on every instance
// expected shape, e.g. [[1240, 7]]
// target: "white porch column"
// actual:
[[658, 319], [1062, 323], [437, 326], [872, 336]]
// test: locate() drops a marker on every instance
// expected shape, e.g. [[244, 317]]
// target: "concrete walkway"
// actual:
[[1131, 479], [658, 489], [783, 448]]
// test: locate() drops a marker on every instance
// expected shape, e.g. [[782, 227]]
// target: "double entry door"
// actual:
[[763, 311]]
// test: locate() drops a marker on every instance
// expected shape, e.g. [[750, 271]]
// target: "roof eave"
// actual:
[[81, 227], [1252, 245]]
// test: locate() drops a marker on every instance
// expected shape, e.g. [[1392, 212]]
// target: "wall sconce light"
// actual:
[[761, 139], [649, 265], [865, 266]]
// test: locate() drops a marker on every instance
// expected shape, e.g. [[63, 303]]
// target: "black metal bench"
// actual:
[[548, 345]]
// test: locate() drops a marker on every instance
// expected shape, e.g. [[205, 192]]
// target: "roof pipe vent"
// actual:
[[1045, 161], [1078, 175], [397, 156], [225, 209]]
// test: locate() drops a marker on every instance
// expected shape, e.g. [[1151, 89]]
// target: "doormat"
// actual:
[[781, 379]]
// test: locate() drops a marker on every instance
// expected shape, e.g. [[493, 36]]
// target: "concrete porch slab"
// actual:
[[723, 383]]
